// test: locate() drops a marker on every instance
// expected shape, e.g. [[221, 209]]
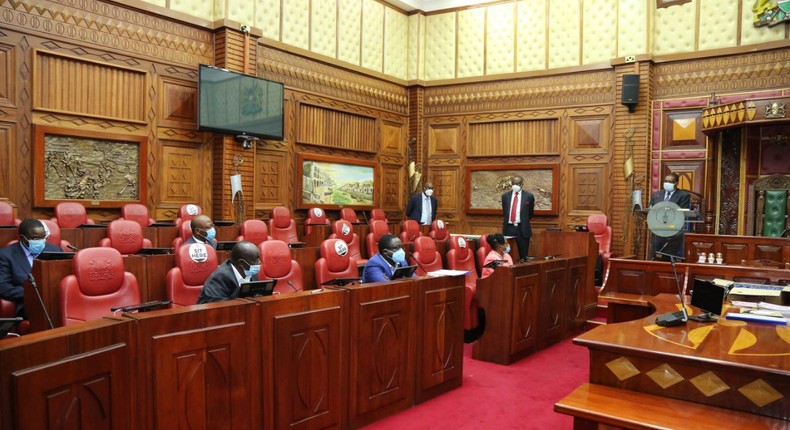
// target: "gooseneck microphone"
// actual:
[[292, 286], [366, 217], [72, 247], [40, 300]]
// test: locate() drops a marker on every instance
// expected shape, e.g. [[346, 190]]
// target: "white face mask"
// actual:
[[669, 187], [516, 188], [429, 192]]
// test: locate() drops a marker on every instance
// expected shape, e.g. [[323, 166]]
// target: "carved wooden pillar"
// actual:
[[416, 139], [712, 197], [730, 181]]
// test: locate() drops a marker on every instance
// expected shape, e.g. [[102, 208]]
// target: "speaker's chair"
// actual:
[[255, 231], [282, 226], [194, 264], [335, 262], [71, 215], [137, 213], [125, 236], [276, 263], [425, 256], [772, 216]]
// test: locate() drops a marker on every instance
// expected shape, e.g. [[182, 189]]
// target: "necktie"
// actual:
[[513, 206], [666, 197]]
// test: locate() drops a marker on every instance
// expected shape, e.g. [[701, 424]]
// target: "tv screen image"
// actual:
[[235, 103]]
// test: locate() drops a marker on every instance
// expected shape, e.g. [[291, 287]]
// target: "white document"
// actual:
[[235, 187], [447, 272]]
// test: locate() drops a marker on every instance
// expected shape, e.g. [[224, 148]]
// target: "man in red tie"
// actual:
[[518, 205]]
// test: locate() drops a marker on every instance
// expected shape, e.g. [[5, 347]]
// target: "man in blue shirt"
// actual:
[[391, 256]]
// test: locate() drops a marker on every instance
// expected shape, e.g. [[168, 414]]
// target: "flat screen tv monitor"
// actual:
[[709, 297], [235, 103]]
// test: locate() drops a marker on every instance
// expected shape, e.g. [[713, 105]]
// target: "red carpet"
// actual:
[[519, 396]]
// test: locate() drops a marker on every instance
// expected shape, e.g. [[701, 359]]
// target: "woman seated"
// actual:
[[499, 252]]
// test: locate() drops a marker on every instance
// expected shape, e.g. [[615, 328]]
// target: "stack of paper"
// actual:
[[447, 272]]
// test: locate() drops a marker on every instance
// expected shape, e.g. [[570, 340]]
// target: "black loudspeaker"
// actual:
[[630, 93]]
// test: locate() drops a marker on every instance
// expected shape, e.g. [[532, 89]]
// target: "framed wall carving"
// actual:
[[485, 185], [99, 169], [336, 182]]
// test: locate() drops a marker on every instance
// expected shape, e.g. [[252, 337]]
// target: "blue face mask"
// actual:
[[36, 246], [211, 234], [252, 271], [669, 187], [507, 249], [399, 256]]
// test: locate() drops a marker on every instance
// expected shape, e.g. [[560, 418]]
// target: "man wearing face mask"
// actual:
[[16, 261], [422, 207], [500, 250], [391, 256], [671, 193], [243, 266], [518, 205], [203, 231]]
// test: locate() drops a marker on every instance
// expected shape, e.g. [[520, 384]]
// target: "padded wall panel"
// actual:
[[675, 27], [396, 39], [323, 27], [162, 3], [296, 23], [416, 47], [564, 32], [500, 37], [348, 30], [599, 31], [440, 46], [373, 29], [751, 35], [531, 35], [471, 42], [718, 24], [267, 18], [632, 26], [242, 11], [198, 8]]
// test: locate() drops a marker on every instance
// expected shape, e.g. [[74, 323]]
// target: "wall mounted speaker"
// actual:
[[630, 92]]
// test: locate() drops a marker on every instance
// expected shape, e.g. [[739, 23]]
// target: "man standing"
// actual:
[[203, 231], [243, 266], [16, 261], [518, 206], [670, 245], [422, 207]]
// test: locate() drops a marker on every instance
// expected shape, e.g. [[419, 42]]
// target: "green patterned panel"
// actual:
[[775, 212]]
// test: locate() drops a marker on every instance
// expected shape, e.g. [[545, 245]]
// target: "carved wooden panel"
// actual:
[[730, 208], [392, 138], [735, 252], [513, 138], [630, 281], [101, 90], [270, 170], [180, 176], [444, 139], [577, 285], [335, 128], [683, 129], [691, 173], [392, 179], [589, 134], [442, 359], [7, 87], [553, 285], [664, 282], [525, 313], [588, 190], [178, 104], [447, 189], [6, 167], [768, 252]]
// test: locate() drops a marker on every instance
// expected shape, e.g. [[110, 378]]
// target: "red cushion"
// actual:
[[410, 230], [276, 263], [255, 231], [425, 256], [335, 262], [439, 230], [71, 215], [378, 214], [125, 236], [343, 230], [349, 215], [377, 229], [54, 235], [137, 213], [461, 257], [282, 226], [6, 214], [194, 264]]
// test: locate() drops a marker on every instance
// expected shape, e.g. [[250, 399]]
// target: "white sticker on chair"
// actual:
[[192, 210], [461, 242], [341, 248], [440, 224], [346, 229], [198, 252], [317, 212]]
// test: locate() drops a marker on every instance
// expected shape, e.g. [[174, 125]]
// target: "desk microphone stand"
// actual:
[[673, 319]]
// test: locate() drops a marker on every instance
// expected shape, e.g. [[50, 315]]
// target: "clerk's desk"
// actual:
[[729, 364]]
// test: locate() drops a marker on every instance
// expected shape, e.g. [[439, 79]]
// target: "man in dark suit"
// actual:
[[203, 231], [670, 245], [381, 266], [422, 207], [16, 261], [243, 266], [518, 207]]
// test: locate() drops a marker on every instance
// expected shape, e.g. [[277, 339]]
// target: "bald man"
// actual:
[[422, 207], [243, 266], [203, 231]]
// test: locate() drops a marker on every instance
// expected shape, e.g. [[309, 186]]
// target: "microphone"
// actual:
[[670, 255], [292, 286], [366, 217], [411, 257], [72, 247], [673, 319], [411, 239], [660, 251], [40, 300]]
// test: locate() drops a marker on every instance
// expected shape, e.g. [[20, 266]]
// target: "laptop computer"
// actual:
[[257, 288]]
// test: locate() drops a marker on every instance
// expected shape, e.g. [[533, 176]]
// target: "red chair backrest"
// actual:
[[315, 216], [7, 215], [71, 215], [378, 214], [54, 235], [377, 229], [194, 264], [282, 226], [483, 248], [597, 224], [439, 230], [7, 309], [342, 229], [460, 257], [335, 262], [425, 255], [137, 213], [184, 233], [410, 230], [255, 231], [98, 284], [276, 263], [187, 212], [125, 236], [349, 215]]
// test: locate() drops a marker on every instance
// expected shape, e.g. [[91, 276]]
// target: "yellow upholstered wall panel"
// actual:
[[348, 30], [599, 31], [675, 28], [241, 11], [199, 8], [440, 46], [323, 27], [500, 38], [471, 42], [296, 23], [531, 35], [416, 66], [633, 19], [396, 40], [267, 18], [162, 3], [373, 35], [564, 32], [718, 24], [751, 35]]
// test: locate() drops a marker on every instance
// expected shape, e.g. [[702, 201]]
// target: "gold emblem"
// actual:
[[775, 110]]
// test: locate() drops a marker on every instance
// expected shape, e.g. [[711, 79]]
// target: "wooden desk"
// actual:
[[165, 236], [227, 233], [734, 249], [362, 231], [91, 236], [72, 236], [569, 244], [318, 234], [727, 364]]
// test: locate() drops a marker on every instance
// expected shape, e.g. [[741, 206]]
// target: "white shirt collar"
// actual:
[[240, 279]]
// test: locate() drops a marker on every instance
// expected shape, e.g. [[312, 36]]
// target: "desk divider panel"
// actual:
[[553, 294]]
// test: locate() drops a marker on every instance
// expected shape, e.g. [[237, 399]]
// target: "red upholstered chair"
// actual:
[[425, 255], [276, 263], [71, 215], [410, 230], [377, 214], [184, 233], [282, 226], [349, 215], [187, 212], [53, 235], [98, 284], [8, 310], [194, 264], [460, 257], [335, 262], [137, 213], [377, 229], [125, 236], [597, 224], [439, 230], [315, 216], [342, 229], [483, 248], [7, 215], [255, 231]]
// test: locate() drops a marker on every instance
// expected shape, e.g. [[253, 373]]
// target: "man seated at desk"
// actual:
[[500, 250], [242, 267], [16, 261], [391, 256], [203, 231]]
